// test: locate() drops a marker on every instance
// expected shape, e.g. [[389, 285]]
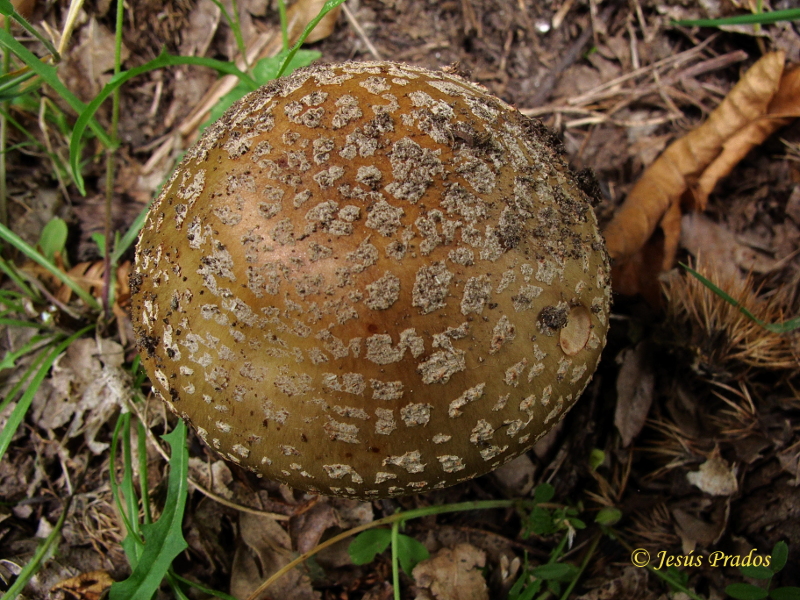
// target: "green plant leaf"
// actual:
[[164, 538], [551, 571], [410, 552], [524, 588], [785, 593], [540, 521], [544, 492], [99, 239], [367, 544], [289, 56], [679, 577], [789, 14], [780, 554], [746, 591], [53, 238], [164, 60], [596, 458], [757, 572], [49, 74], [577, 523], [42, 364], [264, 71], [608, 516]]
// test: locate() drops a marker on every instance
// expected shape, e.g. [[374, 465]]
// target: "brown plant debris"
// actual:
[[695, 162]]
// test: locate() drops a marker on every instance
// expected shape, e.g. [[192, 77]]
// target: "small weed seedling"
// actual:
[[748, 591]]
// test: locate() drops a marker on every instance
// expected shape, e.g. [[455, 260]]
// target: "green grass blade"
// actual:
[[202, 588], [326, 8], [39, 556], [13, 302], [132, 538], [789, 14], [21, 409], [264, 70], [49, 74], [11, 84], [21, 245], [10, 359], [19, 323], [141, 438], [784, 327], [11, 272], [129, 491], [164, 538], [396, 559], [86, 115], [7, 9], [130, 236], [32, 368]]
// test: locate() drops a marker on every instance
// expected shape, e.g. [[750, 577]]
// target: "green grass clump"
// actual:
[[150, 545]]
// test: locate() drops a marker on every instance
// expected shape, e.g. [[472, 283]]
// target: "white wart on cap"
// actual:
[[371, 279]]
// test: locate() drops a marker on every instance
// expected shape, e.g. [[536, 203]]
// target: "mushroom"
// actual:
[[370, 279]]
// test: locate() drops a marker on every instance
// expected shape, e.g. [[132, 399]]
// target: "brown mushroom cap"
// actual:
[[371, 279]]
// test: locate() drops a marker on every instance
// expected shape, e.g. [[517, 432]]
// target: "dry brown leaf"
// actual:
[[88, 66], [517, 477], [452, 575], [308, 528], [695, 531], [655, 201], [715, 477], [265, 548], [783, 108], [203, 23], [86, 586], [635, 387], [302, 12], [87, 385], [721, 250], [665, 181]]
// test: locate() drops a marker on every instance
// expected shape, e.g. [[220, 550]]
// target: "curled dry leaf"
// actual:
[[302, 13], [635, 388], [452, 575], [265, 549], [715, 477], [87, 385], [88, 276], [783, 107], [650, 216], [86, 586], [695, 530]]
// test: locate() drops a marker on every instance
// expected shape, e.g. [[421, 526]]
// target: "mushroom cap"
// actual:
[[371, 279]]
